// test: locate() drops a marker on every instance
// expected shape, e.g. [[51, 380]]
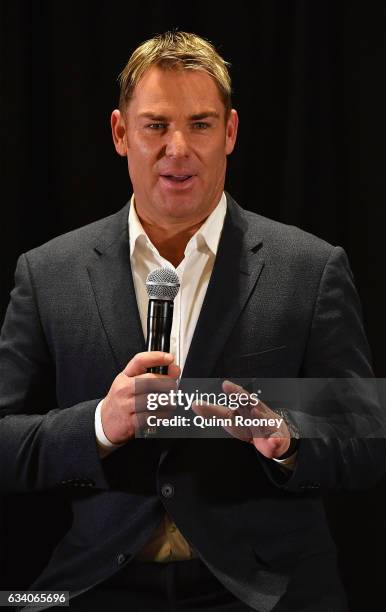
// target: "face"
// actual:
[[176, 140]]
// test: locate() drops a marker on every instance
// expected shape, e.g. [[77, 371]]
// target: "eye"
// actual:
[[156, 126], [200, 125]]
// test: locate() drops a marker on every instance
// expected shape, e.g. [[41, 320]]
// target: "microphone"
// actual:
[[162, 286]]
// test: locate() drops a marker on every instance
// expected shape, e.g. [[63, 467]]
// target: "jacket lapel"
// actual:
[[236, 271], [112, 282]]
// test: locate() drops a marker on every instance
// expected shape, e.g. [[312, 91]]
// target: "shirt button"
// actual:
[[167, 490], [121, 558]]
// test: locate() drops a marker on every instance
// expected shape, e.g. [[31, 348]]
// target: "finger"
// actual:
[[174, 371], [231, 387], [205, 409], [223, 412], [142, 420], [148, 403], [155, 384], [142, 361], [258, 407], [271, 447], [124, 388]]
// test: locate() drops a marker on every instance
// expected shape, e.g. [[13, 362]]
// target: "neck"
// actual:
[[171, 241]]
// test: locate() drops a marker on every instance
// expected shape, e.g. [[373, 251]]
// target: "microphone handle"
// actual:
[[159, 325]]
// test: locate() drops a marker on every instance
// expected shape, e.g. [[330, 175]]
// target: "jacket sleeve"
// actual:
[[40, 447], [346, 449]]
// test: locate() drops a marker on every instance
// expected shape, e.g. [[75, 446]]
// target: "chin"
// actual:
[[181, 210]]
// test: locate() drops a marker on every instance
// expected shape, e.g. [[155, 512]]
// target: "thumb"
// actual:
[[142, 361]]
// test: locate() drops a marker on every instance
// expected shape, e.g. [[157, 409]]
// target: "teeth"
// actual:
[[176, 177]]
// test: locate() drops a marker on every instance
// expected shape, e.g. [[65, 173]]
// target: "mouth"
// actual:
[[177, 178], [177, 183]]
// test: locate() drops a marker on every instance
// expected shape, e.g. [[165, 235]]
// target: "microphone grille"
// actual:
[[162, 284]]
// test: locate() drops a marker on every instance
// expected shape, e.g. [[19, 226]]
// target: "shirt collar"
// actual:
[[135, 227], [208, 234]]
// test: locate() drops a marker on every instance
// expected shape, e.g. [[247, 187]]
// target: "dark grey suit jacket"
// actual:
[[280, 303]]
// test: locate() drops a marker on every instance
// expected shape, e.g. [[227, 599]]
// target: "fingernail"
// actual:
[[231, 383]]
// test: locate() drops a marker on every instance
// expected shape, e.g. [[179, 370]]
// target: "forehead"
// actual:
[[174, 90]]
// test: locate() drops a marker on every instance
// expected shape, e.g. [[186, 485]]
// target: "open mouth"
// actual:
[[177, 178]]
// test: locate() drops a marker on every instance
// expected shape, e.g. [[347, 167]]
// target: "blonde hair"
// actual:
[[175, 50]]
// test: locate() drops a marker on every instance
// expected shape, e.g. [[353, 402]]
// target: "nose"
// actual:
[[177, 145]]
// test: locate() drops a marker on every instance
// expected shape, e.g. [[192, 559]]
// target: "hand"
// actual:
[[124, 409], [270, 442]]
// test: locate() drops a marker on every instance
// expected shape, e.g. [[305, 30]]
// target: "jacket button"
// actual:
[[121, 558], [167, 490]]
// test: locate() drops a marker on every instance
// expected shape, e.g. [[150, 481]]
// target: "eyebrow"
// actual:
[[196, 117], [204, 116]]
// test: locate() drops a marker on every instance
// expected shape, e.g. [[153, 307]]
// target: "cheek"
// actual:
[[143, 150], [140, 161], [139, 154], [215, 160]]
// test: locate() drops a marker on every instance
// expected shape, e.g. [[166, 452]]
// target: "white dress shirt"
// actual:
[[194, 273]]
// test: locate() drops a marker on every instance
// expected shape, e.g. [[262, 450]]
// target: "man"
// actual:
[[179, 524]]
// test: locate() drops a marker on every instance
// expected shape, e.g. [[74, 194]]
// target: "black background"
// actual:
[[309, 86]]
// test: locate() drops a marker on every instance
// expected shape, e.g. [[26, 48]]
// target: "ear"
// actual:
[[118, 129], [231, 131]]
